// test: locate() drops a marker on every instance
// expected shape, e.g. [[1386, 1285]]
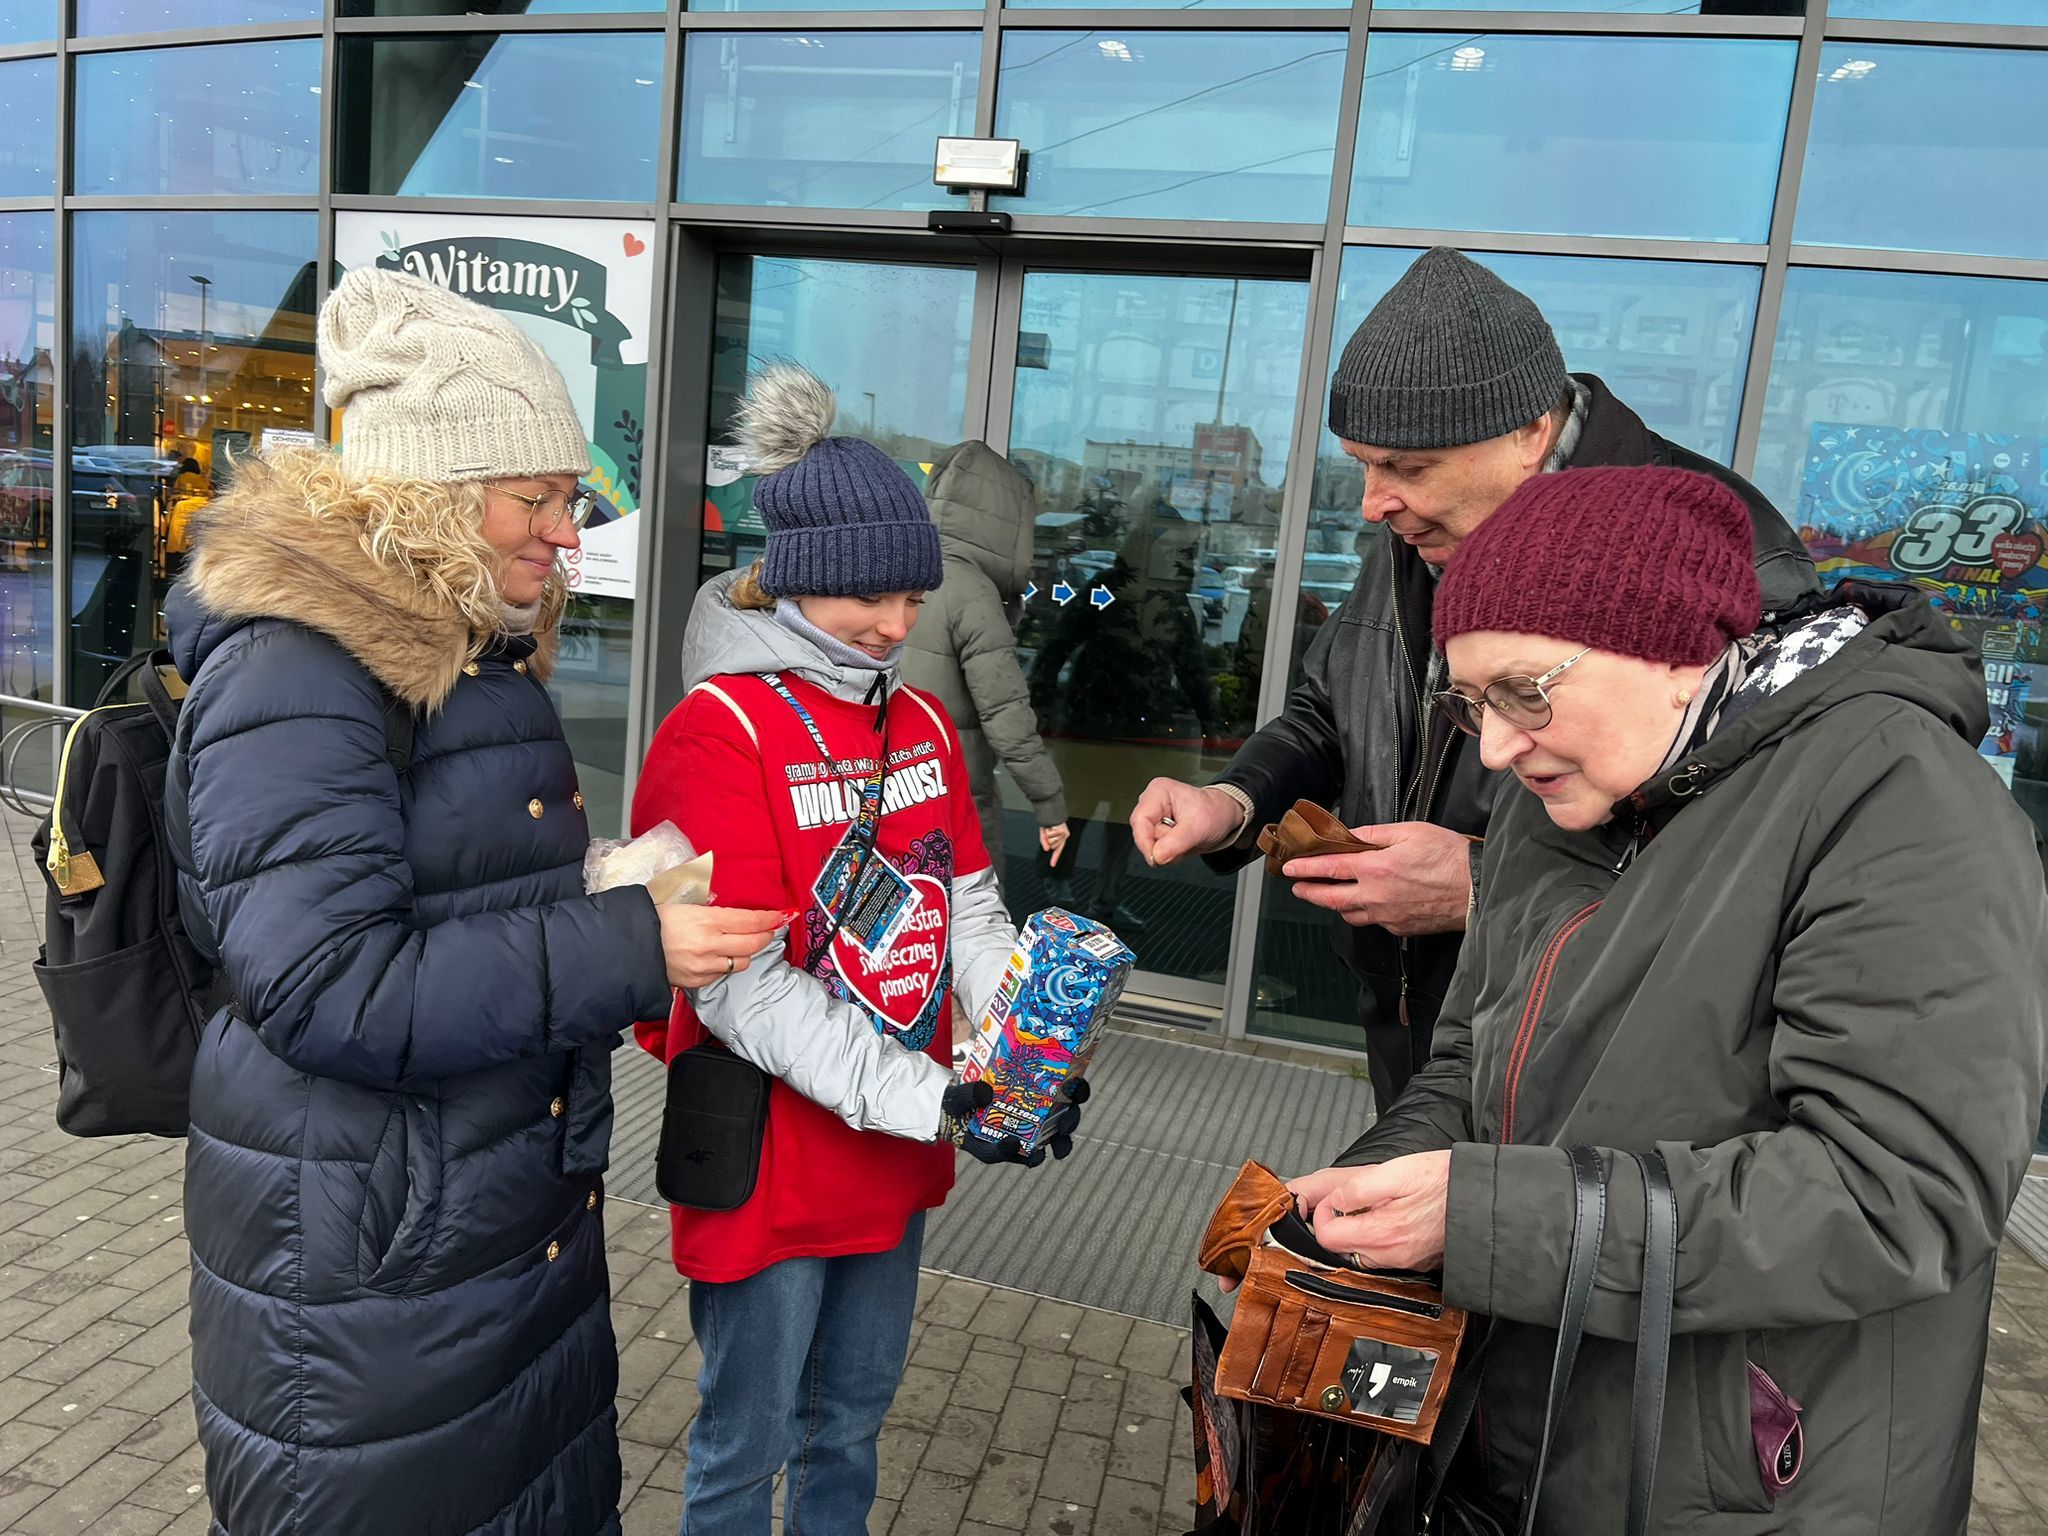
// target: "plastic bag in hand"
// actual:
[[661, 858]]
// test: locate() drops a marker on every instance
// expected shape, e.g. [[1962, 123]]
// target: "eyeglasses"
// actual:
[[1521, 701], [551, 508]]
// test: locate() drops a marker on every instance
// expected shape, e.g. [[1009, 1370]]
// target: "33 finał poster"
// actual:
[[1963, 515], [583, 289]]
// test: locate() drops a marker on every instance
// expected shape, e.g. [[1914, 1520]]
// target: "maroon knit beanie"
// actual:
[[1648, 562]]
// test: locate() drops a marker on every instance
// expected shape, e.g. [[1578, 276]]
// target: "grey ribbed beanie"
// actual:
[[1452, 355], [437, 387]]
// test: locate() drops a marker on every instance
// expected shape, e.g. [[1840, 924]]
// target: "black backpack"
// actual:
[[129, 991]]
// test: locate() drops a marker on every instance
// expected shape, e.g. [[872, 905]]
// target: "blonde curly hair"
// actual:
[[432, 530]]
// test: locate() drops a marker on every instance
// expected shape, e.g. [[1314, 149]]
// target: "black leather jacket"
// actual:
[[1358, 733]]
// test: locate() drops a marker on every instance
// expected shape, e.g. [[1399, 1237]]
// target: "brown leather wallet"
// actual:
[[1356, 1347], [1255, 1200], [1305, 831]]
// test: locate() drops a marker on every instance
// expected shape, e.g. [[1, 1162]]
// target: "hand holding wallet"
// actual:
[[1305, 832], [1314, 1334]]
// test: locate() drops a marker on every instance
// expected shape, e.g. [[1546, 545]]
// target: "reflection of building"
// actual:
[[1205, 480]]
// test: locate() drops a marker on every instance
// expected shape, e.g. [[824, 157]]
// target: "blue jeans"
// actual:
[[801, 1362]]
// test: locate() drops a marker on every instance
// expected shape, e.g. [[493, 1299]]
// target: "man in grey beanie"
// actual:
[[1450, 395]]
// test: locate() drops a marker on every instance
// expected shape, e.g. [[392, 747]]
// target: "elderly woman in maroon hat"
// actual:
[[1759, 906]]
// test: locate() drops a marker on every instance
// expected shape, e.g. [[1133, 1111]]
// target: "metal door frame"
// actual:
[[675, 540]]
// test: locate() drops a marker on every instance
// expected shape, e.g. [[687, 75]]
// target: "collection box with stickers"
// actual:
[[1043, 1023]]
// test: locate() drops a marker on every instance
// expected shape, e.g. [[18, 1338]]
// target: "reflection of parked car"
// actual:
[[1085, 567], [102, 502], [1329, 578]]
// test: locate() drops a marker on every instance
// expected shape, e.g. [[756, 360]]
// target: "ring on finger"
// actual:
[[728, 965]]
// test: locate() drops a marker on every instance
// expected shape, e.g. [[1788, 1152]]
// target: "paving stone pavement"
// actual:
[[1016, 1414]]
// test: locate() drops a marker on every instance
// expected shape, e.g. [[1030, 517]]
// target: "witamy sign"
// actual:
[[582, 291], [480, 272]]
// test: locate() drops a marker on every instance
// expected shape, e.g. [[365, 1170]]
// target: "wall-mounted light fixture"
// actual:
[[979, 165]]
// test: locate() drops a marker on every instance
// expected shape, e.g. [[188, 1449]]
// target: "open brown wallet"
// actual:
[[1312, 1334], [1306, 831]]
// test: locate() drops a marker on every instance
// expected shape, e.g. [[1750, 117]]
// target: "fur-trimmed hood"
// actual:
[[279, 544]]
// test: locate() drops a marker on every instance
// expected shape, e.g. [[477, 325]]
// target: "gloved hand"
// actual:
[[963, 1100]]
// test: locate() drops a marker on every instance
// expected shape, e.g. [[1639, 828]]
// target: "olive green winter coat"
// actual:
[[1817, 988], [964, 648]]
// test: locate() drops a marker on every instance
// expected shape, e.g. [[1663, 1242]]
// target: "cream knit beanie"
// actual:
[[437, 387]]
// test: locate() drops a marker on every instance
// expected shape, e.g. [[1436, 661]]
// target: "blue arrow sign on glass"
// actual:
[[1030, 591], [1062, 593], [1100, 598]]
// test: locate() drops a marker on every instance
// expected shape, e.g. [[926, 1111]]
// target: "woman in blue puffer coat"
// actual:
[[399, 1123]]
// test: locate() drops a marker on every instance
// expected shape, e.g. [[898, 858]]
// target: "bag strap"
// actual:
[[1459, 1403], [398, 728], [1589, 1221], [1653, 1335], [117, 681]]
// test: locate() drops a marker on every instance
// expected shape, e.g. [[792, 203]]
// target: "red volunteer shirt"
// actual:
[[763, 801]]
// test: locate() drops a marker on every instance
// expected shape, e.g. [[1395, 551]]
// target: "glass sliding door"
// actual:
[[1153, 415], [891, 338]]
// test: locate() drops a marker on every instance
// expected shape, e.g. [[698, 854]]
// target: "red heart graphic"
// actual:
[[2015, 552], [896, 987], [633, 243]]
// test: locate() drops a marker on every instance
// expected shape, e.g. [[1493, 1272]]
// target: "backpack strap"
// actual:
[[162, 688]]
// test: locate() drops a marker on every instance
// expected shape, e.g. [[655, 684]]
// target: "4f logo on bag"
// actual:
[[1388, 1381]]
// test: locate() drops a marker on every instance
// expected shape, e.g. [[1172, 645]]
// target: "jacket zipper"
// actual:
[[1532, 1011], [1408, 666], [1417, 809]]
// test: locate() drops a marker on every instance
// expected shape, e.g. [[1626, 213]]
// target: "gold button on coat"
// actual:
[[556, 1106], [519, 666], [554, 1252], [578, 798], [471, 669], [534, 808], [590, 1201]]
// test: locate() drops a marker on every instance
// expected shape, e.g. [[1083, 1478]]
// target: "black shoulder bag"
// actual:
[[1455, 1512]]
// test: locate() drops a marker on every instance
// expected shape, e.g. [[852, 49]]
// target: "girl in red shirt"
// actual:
[[825, 787]]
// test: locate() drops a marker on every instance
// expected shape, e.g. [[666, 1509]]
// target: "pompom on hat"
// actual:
[[1644, 561], [843, 518], [437, 387]]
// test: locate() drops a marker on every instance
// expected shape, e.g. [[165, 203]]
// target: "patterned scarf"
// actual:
[[1754, 668]]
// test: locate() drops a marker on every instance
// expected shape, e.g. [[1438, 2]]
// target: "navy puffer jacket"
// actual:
[[399, 1297]]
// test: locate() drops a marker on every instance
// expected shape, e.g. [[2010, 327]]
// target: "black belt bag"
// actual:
[[712, 1126]]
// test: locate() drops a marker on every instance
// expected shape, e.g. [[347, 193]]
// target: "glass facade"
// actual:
[[1206, 213], [28, 151], [845, 120], [1658, 137], [239, 119], [574, 116], [1961, 119], [191, 342], [28, 408], [1173, 125], [114, 18]]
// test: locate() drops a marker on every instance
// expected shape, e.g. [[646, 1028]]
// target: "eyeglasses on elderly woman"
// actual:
[[1523, 702]]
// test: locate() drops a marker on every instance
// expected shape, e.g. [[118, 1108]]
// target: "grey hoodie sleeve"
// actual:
[[788, 1025], [986, 649]]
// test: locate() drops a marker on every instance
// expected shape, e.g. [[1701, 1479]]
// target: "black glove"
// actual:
[[963, 1100]]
